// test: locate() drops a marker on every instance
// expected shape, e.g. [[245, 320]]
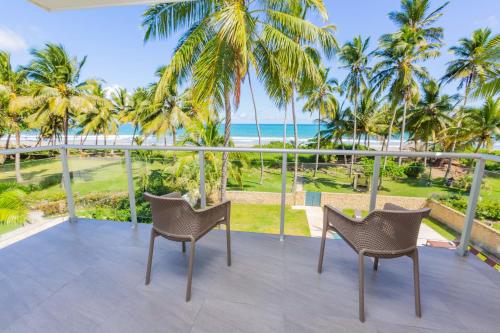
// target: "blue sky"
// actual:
[[113, 40]]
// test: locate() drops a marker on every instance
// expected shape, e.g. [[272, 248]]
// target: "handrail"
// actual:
[[471, 205], [371, 153]]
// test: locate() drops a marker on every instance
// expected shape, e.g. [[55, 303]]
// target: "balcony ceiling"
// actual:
[[52, 5]]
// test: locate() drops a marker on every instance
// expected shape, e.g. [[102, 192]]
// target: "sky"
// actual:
[[112, 40]]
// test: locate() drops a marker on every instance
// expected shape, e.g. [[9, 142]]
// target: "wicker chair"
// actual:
[[388, 233], [176, 220]]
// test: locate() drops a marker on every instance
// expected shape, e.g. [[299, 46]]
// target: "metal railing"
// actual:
[[471, 205]]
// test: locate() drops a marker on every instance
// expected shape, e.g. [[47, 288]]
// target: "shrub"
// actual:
[[486, 209], [414, 169]]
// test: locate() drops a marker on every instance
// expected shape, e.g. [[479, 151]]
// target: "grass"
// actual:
[[435, 225], [266, 219], [7, 227]]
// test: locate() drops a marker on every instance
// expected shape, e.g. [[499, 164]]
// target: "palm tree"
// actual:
[[138, 108], [432, 115], [417, 40], [355, 59], [102, 119], [221, 44], [399, 71], [483, 124], [166, 115], [16, 103], [57, 77], [368, 114], [321, 99], [475, 59], [120, 98]]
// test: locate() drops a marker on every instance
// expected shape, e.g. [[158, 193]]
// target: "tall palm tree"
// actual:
[[121, 101], [57, 76], [415, 41], [16, 103], [432, 115], [483, 124], [355, 58], [475, 59], [102, 119], [368, 114], [321, 99], [221, 42], [138, 108]]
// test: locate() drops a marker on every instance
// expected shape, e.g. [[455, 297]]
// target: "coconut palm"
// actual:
[[221, 42], [414, 15], [476, 62], [432, 115], [15, 103], [355, 58], [321, 99], [399, 71], [121, 101], [415, 41], [368, 114], [63, 95], [483, 124], [138, 108], [102, 119]]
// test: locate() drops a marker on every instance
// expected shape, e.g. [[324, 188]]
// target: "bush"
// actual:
[[486, 209], [414, 169]]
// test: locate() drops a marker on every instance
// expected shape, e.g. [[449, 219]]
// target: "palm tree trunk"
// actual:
[[479, 146], [454, 144], [227, 136], [426, 150], [354, 133], [318, 143], [389, 134], [7, 143], [402, 134], [19, 178], [284, 126], [342, 146], [258, 129], [296, 143], [66, 127], [174, 139], [133, 135]]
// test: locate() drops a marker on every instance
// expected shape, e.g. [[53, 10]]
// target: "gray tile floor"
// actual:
[[88, 277]]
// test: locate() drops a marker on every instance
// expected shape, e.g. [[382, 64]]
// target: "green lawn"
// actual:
[[266, 219]]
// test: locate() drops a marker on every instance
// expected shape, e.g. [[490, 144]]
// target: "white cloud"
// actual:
[[11, 41], [490, 21]]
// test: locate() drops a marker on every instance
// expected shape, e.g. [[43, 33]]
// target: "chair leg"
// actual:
[[322, 246], [361, 287], [416, 282], [228, 243], [183, 247], [375, 264], [190, 271], [150, 256]]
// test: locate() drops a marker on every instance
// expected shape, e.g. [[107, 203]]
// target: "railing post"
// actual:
[[203, 197], [283, 197], [374, 184], [131, 190], [67, 185], [471, 207]]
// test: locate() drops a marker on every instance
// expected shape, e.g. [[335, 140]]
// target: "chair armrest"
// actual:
[[390, 206], [174, 195], [213, 215], [343, 217]]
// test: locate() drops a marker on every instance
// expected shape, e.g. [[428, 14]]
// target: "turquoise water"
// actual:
[[306, 131]]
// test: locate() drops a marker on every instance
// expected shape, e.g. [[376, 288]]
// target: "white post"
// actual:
[[471, 207], [283, 197], [67, 186], [131, 190], [203, 197], [374, 184]]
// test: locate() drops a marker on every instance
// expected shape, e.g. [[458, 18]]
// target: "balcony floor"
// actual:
[[89, 277]]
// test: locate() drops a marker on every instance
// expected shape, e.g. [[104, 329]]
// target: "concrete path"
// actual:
[[315, 221]]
